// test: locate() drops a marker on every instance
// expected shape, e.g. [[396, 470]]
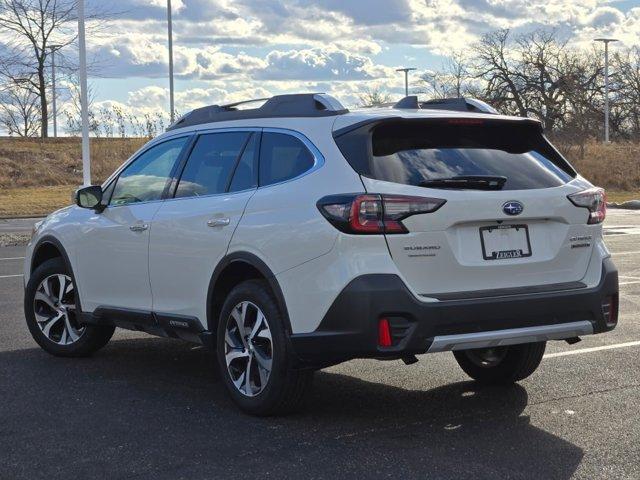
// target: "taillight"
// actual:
[[374, 213], [595, 200]]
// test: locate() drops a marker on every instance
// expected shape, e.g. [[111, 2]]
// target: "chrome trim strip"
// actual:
[[511, 336]]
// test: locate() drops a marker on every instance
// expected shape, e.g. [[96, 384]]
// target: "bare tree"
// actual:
[[627, 71], [373, 97], [36, 26], [73, 108], [495, 66], [455, 79], [19, 111]]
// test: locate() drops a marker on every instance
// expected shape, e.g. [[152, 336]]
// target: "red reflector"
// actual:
[[384, 333], [610, 310]]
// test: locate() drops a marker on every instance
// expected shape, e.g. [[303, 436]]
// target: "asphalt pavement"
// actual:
[[146, 407]]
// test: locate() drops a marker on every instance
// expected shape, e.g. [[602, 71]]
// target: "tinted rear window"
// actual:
[[412, 153], [282, 157]]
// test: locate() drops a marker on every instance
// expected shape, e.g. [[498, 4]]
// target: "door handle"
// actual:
[[139, 227], [219, 222]]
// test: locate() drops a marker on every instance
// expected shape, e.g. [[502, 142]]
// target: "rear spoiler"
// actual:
[[454, 120]]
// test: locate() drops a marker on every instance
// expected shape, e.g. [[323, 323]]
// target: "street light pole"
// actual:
[[406, 79], [84, 108], [53, 88], [606, 42], [170, 32]]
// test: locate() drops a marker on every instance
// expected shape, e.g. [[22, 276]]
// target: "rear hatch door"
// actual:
[[507, 224]]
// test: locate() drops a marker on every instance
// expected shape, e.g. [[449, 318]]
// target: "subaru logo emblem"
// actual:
[[513, 208]]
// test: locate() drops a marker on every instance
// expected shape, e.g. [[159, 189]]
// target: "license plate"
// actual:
[[501, 242]]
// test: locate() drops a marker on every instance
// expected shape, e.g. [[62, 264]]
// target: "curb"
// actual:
[[630, 205], [28, 217]]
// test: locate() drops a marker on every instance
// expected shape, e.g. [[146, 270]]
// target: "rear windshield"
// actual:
[[417, 152]]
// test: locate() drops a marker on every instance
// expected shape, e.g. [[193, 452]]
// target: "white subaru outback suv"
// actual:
[[298, 235]]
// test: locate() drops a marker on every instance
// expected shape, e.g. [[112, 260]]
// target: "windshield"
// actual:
[[423, 153]]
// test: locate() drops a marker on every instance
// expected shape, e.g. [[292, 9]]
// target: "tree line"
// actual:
[[534, 75], [537, 75]]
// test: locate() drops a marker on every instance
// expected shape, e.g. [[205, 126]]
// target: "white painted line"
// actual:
[[625, 253], [11, 276], [12, 258], [592, 349], [629, 283]]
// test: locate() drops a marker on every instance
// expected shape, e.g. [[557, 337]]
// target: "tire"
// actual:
[[66, 336], [501, 365], [252, 307]]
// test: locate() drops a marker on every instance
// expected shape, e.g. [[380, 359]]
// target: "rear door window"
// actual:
[[211, 163], [417, 153], [282, 157]]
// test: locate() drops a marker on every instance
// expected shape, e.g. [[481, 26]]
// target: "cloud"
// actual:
[[228, 50], [320, 64]]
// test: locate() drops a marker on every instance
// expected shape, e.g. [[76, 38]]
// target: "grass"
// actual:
[[616, 196], [615, 166], [38, 176], [34, 201], [34, 162]]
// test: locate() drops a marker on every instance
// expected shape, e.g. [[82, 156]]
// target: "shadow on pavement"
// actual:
[[152, 408]]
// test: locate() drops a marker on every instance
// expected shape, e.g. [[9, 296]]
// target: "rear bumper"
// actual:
[[349, 329]]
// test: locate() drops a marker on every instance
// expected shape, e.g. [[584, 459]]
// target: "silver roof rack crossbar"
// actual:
[[294, 105], [455, 104]]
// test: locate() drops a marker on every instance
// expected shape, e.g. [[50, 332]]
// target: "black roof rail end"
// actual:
[[455, 104]]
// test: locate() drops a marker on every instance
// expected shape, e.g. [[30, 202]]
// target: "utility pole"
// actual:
[[606, 42], [406, 78], [54, 48], [170, 32], [84, 107]]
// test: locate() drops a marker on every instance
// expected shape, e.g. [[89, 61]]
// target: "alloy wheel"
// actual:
[[55, 310], [248, 349]]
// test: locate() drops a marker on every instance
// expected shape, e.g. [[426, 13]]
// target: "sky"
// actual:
[[228, 50]]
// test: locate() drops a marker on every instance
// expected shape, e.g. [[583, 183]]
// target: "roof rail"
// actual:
[[456, 104], [294, 105]]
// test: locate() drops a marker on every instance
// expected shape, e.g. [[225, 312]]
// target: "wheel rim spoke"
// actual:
[[239, 315], [43, 297], [264, 375], [71, 332], [263, 360], [239, 381], [247, 379], [234, 355], [248, 349], [54, 310], [266, 334], [257, 325], [46, 328], [62, 286]]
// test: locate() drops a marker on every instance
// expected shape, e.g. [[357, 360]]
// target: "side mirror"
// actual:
[[89, 197]]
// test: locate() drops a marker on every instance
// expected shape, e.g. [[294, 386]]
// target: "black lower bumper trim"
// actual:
[[349, 329]]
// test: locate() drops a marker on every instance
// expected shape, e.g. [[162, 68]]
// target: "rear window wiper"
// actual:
[[474, 182]]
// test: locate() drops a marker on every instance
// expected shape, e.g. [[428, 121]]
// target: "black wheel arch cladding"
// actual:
[[264, 270]]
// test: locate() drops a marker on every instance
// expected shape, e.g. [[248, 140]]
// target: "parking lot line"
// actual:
[[629, 283], [592, 349], [10, 276], [635, 252], [12, 258]]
